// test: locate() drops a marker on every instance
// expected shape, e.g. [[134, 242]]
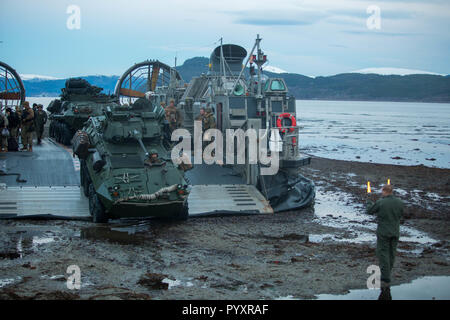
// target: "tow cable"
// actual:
[[3, 173]]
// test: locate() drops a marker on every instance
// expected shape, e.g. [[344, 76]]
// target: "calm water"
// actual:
[[376, 131], [373, 131], [426, 288]]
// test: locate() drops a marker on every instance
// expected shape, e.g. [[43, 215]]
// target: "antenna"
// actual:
[[222, 58]]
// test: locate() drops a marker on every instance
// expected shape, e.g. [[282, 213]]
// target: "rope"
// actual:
[[147, 197], [3, 173]]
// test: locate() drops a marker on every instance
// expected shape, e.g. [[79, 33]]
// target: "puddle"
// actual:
[[58, 277], [119, 235], [30, 244], [171, 283], [8, 281], [289, 297], [338, 210], [177, 283], [427, 288]]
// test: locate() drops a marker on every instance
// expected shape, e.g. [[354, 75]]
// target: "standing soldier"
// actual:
[[208, 120], [19, 116], [389, 210], [35, 106], [14, 123], [27, 127], [200, 116], [40, 119], [173, 116]]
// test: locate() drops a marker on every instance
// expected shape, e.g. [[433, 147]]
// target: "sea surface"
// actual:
[[404, 133]]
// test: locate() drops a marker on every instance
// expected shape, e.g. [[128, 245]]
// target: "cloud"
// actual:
[[292, 17], [379, 33], [272, 22], [385, 14]]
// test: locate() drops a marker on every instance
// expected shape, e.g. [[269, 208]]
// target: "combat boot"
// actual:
[[385, 291]]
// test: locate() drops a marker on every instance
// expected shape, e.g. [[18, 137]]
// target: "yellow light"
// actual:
[[369, 190], [389, 181]]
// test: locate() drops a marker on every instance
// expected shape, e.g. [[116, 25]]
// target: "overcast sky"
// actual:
[[310, 37]]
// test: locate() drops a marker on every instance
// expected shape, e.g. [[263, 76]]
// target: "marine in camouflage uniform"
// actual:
[[208, 120], [19, 116], [388, 210], [40, 119], [14, 122], [153, 158], [173, 116], [27, 127]]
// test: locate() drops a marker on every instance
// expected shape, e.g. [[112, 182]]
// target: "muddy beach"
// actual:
[[293, 255]]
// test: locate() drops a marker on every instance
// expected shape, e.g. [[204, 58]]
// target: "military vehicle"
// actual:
[[126, 169], [239, 96], [78, 102]]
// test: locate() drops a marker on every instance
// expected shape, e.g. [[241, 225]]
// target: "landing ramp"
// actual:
[[43, 202], [228, 198]]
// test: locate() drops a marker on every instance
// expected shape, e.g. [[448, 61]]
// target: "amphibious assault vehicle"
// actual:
[[78, 102], [126, 169]]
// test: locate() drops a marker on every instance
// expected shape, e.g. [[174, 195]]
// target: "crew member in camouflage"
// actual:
[[27, 127], [153, 158], [173, 116], [40, 119], [208, 120]]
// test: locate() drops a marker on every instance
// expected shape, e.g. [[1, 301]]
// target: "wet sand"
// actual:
[[325, 249]]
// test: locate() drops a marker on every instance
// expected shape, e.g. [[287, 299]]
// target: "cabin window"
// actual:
[[277, 85]]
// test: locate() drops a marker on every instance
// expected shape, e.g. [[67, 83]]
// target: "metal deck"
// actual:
[[52, 187], [50, 202], [50, 164], [228, 198]]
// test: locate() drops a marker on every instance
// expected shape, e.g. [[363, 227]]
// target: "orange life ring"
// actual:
[[284, 116]]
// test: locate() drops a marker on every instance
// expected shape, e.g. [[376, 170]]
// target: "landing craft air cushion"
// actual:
[[239, 98]]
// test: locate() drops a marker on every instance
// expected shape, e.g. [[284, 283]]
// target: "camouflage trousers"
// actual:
[[4, 143], [13, 132], [39, 132], [27, 137], [386, 250]]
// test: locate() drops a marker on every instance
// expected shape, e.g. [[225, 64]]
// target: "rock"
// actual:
[[153, 281]]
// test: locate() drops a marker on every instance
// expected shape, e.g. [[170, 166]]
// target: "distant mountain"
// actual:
[[52, 88], [274, 69], [365, 84], [36, 77], [394, 71]]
